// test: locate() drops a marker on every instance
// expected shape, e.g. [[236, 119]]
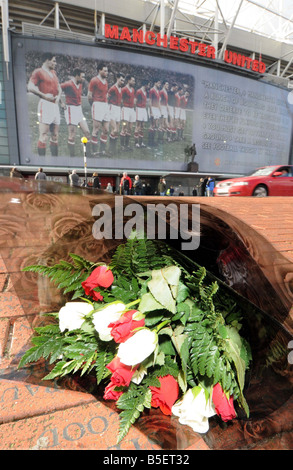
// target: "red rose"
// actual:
[[122, 329], [223, 406], [121, 374], [100, 277], [165, 396], [110, 393]]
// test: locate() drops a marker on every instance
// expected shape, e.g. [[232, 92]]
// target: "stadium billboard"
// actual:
[[143, 111]]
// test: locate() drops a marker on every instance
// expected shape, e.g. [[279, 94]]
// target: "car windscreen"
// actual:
[[264, 171]]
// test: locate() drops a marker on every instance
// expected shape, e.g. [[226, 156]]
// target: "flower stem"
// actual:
[[133, 303], [160, 326]]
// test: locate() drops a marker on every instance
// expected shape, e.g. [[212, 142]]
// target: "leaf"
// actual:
[[148, 303], [166, 346], [132, 403], [172, 275], [182, 381], [57, 371], [183, 292], [233, 348], [160, 290]]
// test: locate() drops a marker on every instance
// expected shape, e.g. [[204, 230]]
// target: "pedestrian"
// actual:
[[137, 186], [125, 184], [15, 173], [162, 187], [74, 178], [96, 181], [109, 188], [210, 186], [194, 191], [40, 175], [202, 186]]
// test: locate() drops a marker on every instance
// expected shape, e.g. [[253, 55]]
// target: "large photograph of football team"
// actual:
[[124, 111]]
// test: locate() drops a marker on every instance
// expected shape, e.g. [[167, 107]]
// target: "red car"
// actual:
[[265, 181]]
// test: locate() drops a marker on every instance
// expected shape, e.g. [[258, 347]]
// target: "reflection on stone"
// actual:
[[44, 225]]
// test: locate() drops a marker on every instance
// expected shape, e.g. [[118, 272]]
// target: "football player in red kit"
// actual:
[[114, 100], [97, 96], [128, 112], [141, 100], [171, 111], [73, 111], [164, 110], [45, 84], [183, 105], [155, 111]]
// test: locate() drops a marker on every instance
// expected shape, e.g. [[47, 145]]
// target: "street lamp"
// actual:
[[84, 142]]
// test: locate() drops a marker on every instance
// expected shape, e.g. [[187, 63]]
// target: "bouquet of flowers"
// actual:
[[152, 329]]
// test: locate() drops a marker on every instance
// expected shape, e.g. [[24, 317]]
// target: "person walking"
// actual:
[[40, 175], [210, 186], [15, 173], [194, 191], [137, 186], [96, 181], [109, 188], [202, 186], [125, 184], [162, 187], [74, 178]]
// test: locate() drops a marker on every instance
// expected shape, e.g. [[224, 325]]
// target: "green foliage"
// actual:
[[138, 256], [66, 276], [132, 403], [197, 322]]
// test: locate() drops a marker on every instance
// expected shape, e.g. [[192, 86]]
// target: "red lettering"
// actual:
[[202, 49], [255, 65], [193, 46], [211, 52], [183, 44], [137, 36], [173, 42], [237, 59], [111, 33], [248, 62], [162, 41], [228, 56], [125, 34], [262, 67], [150, 37]]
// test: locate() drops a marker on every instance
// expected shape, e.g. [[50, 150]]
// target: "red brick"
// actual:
[[90, 426], [19, 400]]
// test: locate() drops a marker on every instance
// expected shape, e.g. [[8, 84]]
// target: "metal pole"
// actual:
[[229, 31], [56, 15], [5, 26], [162, 27]]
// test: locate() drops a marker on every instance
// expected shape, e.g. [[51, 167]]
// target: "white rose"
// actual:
[[104, 317], [137, 348], [194, 410], [71, 316], [139, 375]]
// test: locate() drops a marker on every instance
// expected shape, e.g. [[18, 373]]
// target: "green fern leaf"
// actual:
[[132, 403]]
